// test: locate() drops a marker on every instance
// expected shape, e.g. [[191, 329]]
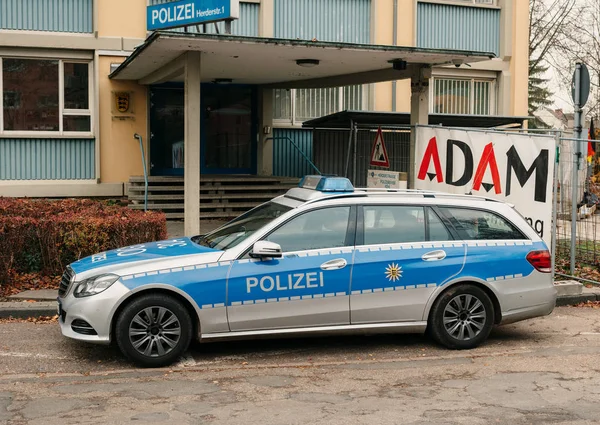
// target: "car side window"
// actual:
[[478, 225], [322, 228], [437, 229], [385, 224]]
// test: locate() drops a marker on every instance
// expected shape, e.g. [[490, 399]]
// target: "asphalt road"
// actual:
[[542, 371]]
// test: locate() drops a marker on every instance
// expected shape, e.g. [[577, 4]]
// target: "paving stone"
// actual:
[[271, 381], [151, 417], [144, 390], [195, 408], [568, 287], [321, 398], [36, 295], [5, 401], [51, 406]]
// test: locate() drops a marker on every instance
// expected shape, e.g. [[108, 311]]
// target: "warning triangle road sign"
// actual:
[[379, 155]]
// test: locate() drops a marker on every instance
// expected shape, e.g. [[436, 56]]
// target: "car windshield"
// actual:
[[242, 227]]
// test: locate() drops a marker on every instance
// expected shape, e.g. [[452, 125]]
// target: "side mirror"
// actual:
[[266, 249]]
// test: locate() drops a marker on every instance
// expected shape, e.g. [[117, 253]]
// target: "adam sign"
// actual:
[[515, 168]]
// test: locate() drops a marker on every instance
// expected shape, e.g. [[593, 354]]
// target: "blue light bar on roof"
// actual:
[[327, 184]]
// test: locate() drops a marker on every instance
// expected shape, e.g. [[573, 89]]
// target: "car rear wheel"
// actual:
[[462, 317], [154, 330]]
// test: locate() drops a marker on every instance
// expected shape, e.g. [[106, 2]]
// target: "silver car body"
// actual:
[[359, 287]]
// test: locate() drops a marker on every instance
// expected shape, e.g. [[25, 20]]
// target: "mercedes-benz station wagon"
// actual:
[[323, 258]]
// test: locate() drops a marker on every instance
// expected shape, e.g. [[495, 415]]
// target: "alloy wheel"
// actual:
[[154, 331], [464, 317]]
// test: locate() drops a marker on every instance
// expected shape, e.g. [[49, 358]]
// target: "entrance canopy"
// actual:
[[273, 61], [345, 119]]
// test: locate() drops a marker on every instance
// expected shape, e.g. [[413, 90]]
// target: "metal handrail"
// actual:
[[298, 149], [137, 136]]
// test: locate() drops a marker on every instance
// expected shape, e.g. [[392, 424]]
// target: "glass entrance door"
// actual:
[[166, 130], [228, 129], [227, 125]]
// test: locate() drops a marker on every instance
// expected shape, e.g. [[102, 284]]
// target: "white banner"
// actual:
[[511, 167]]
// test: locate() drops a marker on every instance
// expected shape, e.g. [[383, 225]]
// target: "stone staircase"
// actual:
[[221, 197]]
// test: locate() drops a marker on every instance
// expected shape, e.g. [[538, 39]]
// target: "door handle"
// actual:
[[338, 263], [434, 255]]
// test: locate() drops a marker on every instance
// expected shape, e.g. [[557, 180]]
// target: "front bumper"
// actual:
[[96, 310]]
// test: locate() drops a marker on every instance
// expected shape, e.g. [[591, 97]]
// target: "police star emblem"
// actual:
[[393, 272]]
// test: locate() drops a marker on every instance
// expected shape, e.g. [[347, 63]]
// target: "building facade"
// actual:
[[66, 129]]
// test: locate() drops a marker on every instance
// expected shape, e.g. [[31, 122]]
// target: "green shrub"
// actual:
[[42, 236]]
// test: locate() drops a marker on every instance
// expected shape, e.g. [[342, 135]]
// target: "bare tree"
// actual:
[[549, 24], [584, 44], [563, 32]]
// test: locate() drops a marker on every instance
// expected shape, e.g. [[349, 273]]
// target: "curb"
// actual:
[[576, 299], [22, 310]]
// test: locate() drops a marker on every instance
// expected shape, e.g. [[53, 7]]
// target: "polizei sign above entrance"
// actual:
[[515, 168], [190, 12]]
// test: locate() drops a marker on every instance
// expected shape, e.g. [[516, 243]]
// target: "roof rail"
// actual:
[[419, 191], [377, 189], [358, 192], [426, 192]]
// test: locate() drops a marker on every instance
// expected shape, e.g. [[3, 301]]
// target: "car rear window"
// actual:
[[473, 224], [385, 224]]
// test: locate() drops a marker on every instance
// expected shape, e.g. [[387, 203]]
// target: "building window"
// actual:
[[294, 106], [45, 96], [462, 96]]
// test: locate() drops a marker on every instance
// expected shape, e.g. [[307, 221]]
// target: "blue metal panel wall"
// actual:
[[287, 160], [47, 159], [47, 15], [326, 20], [443, 26], [246, 25]]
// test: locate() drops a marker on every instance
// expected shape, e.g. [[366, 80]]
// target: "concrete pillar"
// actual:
[[266, 18], [264, 155], [191, 180], [504, 103], [419, 112]]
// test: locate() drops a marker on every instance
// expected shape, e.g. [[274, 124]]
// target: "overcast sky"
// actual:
[[561, 97]]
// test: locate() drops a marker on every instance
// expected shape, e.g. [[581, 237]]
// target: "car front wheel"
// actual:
[[462, 317], [154, 330]]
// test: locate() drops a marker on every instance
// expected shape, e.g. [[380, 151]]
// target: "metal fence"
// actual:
[[335, 151], [577, 204]]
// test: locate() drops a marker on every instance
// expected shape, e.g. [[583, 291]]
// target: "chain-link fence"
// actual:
[[577, 226]]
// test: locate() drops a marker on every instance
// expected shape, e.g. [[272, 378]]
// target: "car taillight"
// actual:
[[541, 260]]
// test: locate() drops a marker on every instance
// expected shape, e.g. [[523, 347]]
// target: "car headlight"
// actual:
[[94, 285]]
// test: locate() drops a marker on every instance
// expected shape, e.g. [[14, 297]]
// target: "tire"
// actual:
[[452, 325], [159, 341]]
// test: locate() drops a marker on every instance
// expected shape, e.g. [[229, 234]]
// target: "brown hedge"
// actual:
[[43, 236]]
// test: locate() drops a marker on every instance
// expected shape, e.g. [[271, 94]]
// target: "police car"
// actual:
[[323, 258]]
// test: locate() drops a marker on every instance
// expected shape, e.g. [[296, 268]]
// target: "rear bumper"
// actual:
[[526, 297], [528, 312]]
